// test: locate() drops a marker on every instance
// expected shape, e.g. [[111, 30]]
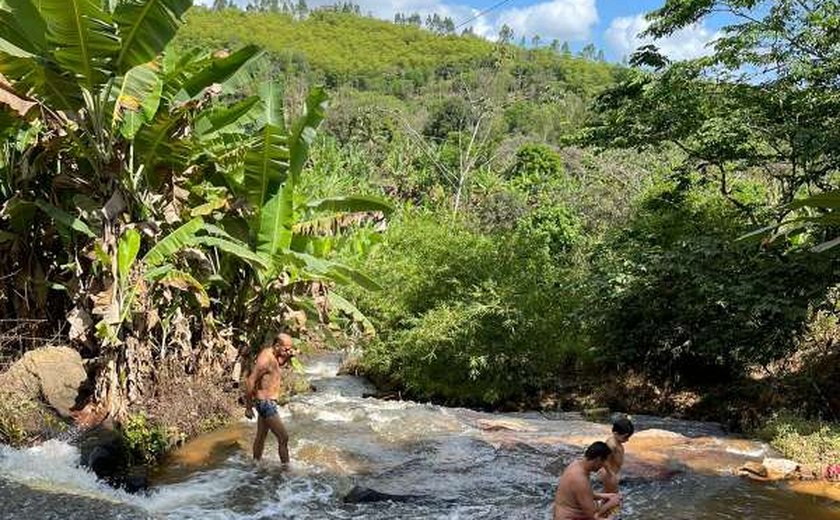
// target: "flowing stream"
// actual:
[[442, 462]]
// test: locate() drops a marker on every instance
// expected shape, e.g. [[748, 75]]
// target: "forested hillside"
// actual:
[[483, 224], [343, 48]]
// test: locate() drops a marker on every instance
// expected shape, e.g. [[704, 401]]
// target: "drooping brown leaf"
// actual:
[[9, 97]]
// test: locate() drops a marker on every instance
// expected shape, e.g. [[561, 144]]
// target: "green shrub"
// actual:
[[452, 115], [536, 164], [470, 318], [144, 441], [23, 422], [678, 296], [804, 440]]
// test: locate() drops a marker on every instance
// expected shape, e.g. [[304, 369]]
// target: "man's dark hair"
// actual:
[[597, 450], [623, 426]]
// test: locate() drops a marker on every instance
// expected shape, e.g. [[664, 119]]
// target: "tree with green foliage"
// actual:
[[588, 52], [675, 297], [505, 34], [762, 103]]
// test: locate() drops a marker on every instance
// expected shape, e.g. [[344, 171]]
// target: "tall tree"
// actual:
[[505, 34], [763, 102]]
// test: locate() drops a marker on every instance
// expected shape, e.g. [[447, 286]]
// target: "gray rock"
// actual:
[[55, 374], [362, 495]]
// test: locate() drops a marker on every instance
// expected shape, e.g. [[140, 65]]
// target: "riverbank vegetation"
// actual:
[[487, 225]]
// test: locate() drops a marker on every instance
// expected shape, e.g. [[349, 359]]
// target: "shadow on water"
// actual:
[[407, 460]]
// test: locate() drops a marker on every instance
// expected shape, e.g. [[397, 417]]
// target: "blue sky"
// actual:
[[612, 25]]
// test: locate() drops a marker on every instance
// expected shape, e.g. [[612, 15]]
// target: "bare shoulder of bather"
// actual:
[[574, 499], [616, 459]]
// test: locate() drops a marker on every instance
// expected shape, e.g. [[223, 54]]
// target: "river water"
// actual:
[[447, 463]]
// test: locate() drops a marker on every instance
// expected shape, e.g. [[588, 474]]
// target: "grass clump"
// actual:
[[804, 440]]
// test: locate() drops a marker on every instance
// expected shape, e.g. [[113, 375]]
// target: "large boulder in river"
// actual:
[[54, 374]]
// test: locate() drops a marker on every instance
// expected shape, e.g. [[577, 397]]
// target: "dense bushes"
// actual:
[[686, 302], [472, 318]]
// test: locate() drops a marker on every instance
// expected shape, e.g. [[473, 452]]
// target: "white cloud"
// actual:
[[565, 20], [570, 20], [623, 36]]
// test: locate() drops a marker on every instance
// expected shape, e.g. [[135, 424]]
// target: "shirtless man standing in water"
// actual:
[[261, 390], [575, 499], [621, 431]]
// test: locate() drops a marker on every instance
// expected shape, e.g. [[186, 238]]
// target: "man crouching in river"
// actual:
[[261, 390], [574, 499]]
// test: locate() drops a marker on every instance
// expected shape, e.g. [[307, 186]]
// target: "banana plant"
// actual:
[[280, 228], [98, 122], [157, 265]]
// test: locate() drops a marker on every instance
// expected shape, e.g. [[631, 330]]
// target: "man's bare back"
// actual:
[[574, 499], [573, 483], [612, 466]]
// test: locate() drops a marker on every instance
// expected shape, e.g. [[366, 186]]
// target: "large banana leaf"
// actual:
[[127, 249], [271, 93], [266, 166], [276, 222], [824, 200], [225, 118], [64, 218], [276, 216], [34, 77], [138, 100], [236, 249], [351, 203], [218, 70], [173, 242], [340, 303], [267, 159], [146, 27], [186, 282], [327, 269], [177, 68], [304, 131], [84, 38], [23, 32], [158, 149]]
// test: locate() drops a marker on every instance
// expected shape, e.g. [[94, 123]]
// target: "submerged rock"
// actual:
[[504, 424], [753, 470], [362, 495]]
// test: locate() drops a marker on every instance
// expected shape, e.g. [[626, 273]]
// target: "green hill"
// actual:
[[339, 48]]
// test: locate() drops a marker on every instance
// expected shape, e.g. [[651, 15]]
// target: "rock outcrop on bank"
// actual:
[[40, 393]]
